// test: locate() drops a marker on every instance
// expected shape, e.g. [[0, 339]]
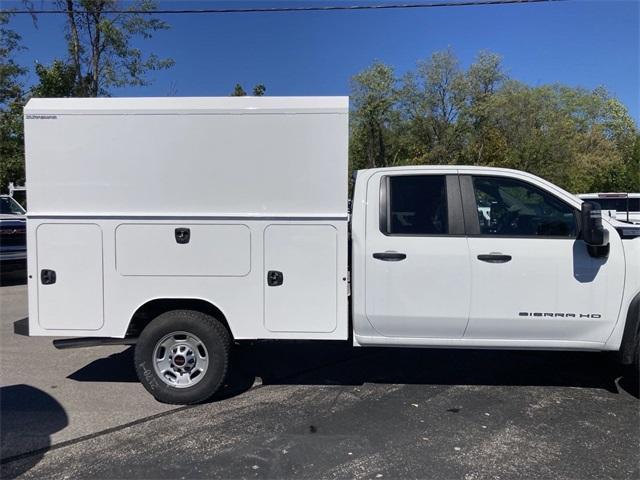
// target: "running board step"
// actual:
[[81, 342]]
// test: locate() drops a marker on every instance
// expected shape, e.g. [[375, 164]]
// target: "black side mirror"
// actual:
[[592, 232]]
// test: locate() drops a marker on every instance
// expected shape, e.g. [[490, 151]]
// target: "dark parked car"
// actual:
[[13, 240]]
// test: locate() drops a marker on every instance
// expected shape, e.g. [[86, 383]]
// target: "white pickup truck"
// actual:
[[622, 206], [184, 225]]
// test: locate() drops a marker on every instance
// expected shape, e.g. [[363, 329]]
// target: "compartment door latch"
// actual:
[[47, 277], [274, 278], [183, 235]]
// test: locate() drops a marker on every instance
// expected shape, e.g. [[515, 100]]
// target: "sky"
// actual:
[[585, 43]]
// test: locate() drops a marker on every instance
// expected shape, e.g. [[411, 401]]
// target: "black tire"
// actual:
[[212, 334]]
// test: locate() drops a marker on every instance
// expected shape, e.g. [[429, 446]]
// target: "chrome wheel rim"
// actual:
[[180, 359]]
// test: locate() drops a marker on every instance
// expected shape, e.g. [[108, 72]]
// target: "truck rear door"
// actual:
[[417, 258]]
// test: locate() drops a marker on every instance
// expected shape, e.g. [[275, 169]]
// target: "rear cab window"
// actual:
[[415, 205]]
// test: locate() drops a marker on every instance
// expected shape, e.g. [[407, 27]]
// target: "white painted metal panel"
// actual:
[[425, 295], [212, 250], [568, 294], [307, 256], [258, 157], [240, 299], [75, 300]]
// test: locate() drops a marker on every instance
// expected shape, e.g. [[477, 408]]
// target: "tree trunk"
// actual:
[[382, 154], [74, 43], [95, 52], [370, 148]]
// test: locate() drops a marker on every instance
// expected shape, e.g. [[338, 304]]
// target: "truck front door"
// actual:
[[532, 277], [417, 258]]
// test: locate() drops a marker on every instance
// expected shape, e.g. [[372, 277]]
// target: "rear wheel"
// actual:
[[182, 356]]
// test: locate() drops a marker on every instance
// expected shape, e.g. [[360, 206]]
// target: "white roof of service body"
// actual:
[[182, 105]]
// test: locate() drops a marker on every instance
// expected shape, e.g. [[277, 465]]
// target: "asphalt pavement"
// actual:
[[318, 410]]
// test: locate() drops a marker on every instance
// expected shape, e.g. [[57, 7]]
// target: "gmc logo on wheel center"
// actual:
[[559, 315]]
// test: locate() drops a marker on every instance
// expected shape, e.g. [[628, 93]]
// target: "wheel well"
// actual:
[[150, 310], [631, 333]]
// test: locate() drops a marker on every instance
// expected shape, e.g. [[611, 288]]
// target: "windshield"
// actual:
[[8, 206]]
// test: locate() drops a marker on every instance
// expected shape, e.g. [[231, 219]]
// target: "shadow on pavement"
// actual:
[[328, 363], [338, 363], [28, 418], [117, 367]]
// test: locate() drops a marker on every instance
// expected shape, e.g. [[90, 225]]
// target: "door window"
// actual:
[[417, 205], [508, 207]]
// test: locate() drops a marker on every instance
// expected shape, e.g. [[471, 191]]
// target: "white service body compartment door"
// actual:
[[300, 278], [73, 299], [208, 250]]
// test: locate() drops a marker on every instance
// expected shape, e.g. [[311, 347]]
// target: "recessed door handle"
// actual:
[[494, 258], [274, 278], [47, 277], [389, 256], [182, 235]]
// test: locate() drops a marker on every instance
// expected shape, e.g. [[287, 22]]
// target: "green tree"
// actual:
[[11, 103], [100, 44], [373, 100], [583, 140], [238, 91], [432, 98], [56, 80], [259, 90], [485, 76], [483, 143]]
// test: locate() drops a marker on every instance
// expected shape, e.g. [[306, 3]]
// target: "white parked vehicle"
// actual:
[[623, 206], [253, 243]]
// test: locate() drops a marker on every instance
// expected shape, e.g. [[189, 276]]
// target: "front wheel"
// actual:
[[182, 356]]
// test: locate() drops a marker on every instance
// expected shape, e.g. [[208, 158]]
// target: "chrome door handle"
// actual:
[[494, 258]]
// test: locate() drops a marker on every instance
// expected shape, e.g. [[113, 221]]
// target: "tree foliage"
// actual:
[[373, 99], [102, 47], [56, 80], [583, 140], [11, 102], [238, 91], [258, 90], [102, 55]]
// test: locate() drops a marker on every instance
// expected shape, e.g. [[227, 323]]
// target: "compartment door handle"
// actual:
[[47, 277], [274, 278], [182, 235]]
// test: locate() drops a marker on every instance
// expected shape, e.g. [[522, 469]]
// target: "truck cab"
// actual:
[[482, 257]]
